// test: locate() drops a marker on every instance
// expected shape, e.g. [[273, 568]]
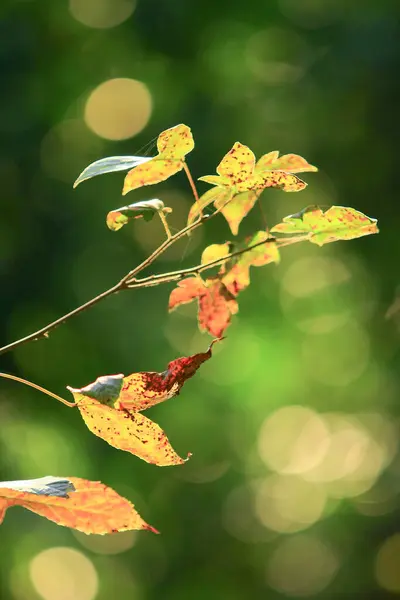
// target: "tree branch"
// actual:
[[121, 285]]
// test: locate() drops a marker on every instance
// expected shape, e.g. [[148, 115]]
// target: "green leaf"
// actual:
[[121, 216], [110, 164], [336, 223]]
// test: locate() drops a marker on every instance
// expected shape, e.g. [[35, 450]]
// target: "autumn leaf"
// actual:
[[88, 506], [146, 210], [291, 163], [111, 164], [239, 183], [237, 277], [236, 210], [336, 223], [111, 405], [216, 304], [172, 145]]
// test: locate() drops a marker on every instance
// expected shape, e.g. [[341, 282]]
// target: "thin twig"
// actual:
[[165, 224], [38, 387], [153, 280], [121, 285], [190, 178], [161, 249]]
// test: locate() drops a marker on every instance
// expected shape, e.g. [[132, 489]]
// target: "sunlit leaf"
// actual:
[[111, 405], [173, 145], [129, 431], [291, 163], [216, 304], [146, 210], [236, 210], [88, 506], [336, 223], [237, 277], [237, 170], [110, 165], [215, 252], [243, 182]]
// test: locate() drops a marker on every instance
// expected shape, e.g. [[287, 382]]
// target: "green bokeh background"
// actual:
[[316, 77]]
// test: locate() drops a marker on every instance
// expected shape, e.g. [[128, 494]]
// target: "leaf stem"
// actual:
[[165, 224], [39, 388], [192, 184]]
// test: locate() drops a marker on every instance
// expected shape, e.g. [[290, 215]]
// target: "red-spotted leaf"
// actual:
[[336, 223], [110, 164], [237, 277], [145, 209], [129, 431], [237, 170], [243, 182], [235, 211], [88, 506], [216, 304], [111, 407], [173, 145], [291, 163]]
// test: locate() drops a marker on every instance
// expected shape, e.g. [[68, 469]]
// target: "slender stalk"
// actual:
[[165, 224], [190, 179], [39, 388]]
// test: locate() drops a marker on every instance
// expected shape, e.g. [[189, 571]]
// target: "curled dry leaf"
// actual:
[[88, 506], [336, 223], [146, 209], [172, 145], [111, 407], [240, 181]]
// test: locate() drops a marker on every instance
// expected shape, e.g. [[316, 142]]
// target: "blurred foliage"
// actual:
[[293, 486]]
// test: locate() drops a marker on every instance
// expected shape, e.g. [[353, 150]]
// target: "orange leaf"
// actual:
[[90, 506], [216, 303], [111, 407], [238, 275], [173, 145]]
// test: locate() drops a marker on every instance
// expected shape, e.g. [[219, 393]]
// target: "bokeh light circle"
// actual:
[[101, 14], [302, 566], [118, 108], [63, 573]]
